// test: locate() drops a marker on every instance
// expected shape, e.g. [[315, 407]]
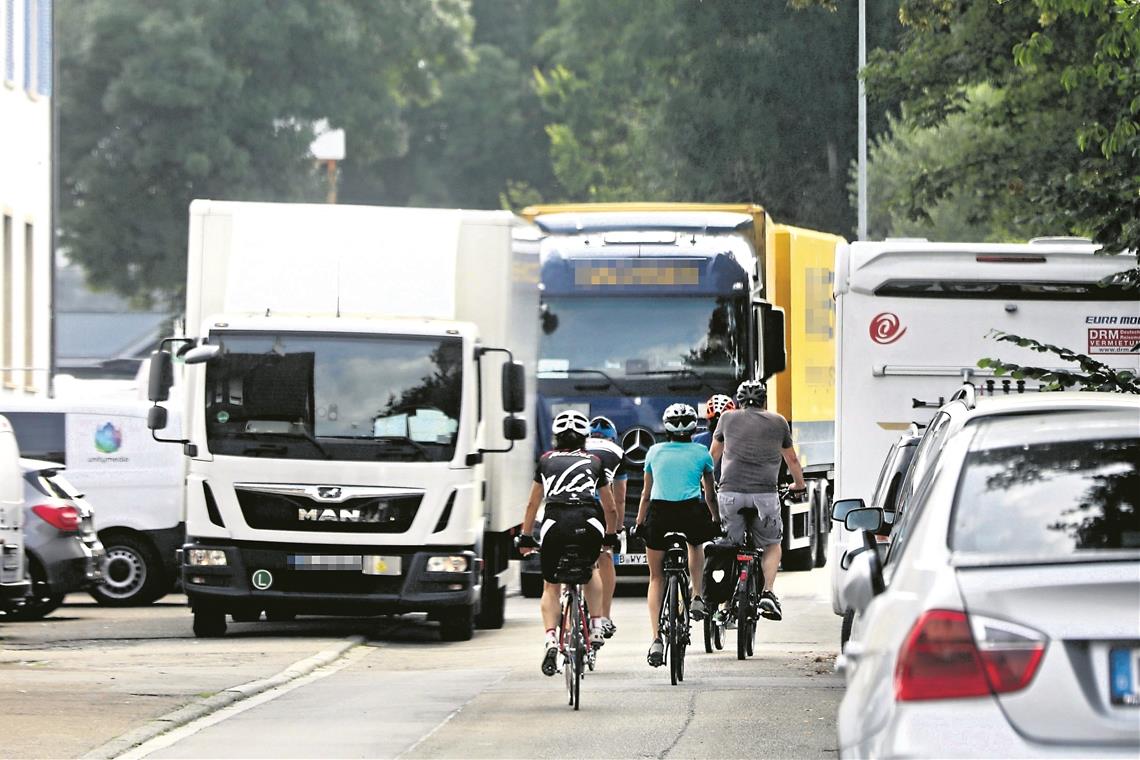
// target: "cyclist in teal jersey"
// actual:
[[675, 472]]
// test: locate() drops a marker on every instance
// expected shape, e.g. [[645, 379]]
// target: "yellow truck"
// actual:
[[647, 304]]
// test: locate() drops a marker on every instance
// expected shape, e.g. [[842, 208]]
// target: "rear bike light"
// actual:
[[949, 655], [1010, 653], [63, 518], [938, 660]]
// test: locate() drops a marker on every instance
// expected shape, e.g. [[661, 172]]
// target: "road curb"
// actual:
[[208, 705]]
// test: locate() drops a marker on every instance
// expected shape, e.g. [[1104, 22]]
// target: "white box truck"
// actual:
[[913, 318], [14, 583], [352, 377]]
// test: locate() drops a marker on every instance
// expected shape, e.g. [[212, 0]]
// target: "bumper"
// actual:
[[71, 565], [11, 592], [281, 586]]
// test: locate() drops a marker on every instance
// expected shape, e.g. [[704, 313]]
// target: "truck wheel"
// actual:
[[457, 624], [531, 585], [134, 574], [492, 605], [800, 559], [845, 631], [209, 622]]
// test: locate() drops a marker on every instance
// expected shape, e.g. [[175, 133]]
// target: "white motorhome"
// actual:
[[913, 318], [134, 483], [14, 584], [347, 372]]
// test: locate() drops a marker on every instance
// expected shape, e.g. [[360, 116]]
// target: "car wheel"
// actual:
[[41, 602], [134, 575]]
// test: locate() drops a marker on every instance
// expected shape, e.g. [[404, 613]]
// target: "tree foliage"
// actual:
[[165, 102], [1088, 374]]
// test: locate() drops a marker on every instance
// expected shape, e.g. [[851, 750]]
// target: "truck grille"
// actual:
[[365, 514]]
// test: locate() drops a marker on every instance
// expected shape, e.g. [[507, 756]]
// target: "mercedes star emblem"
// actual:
[[636, 443]]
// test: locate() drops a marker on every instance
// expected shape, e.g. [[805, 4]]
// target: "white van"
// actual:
[[133, 483], [14, 585]]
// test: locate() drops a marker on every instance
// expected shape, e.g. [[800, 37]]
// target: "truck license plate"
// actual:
[[324, 562], [1124, 673], [382, 565], [631, 559]]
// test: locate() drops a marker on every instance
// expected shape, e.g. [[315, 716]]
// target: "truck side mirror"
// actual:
[[161, 377], [770, 332], [202, 354], [514, 428], [156, 418], [514, 390]]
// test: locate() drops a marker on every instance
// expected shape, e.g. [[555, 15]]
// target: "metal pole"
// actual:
[[861, 183]]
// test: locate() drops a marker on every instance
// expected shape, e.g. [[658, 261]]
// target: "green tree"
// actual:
[[163, 103]]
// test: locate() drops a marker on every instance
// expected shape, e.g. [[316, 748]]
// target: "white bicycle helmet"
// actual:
[[752, 393], [571, 421], [680, 418], [718, 405]]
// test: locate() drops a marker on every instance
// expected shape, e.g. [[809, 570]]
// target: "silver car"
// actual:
[[1005, 621], [64, 553]]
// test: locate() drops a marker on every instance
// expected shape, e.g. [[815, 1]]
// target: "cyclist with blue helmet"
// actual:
[[603, 444]]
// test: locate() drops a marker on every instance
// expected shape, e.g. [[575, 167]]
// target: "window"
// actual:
[[43, 47], [1005, 290], [10, 40], [6, 310], [29, 44], [29, 304], [41, 435]]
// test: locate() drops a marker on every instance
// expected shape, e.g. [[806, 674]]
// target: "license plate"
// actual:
[[325, 562], [631, 559], [382, 565], [1124, 674]]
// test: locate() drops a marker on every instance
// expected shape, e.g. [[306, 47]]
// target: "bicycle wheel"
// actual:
[[743, 615], [755, 583], [710, 634], [718, 636], [676, 652], [571, 634]]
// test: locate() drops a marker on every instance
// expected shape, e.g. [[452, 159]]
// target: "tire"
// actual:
[[40, 602], [743, 618], [457, 624], [134, 576], [209, 622], [572, 666], [710, 633], [798, 560], [718, 637], [492, 605], [531, 584], [845, 629], [676, 644]]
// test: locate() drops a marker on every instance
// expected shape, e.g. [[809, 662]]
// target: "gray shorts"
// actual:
[[767, 528]]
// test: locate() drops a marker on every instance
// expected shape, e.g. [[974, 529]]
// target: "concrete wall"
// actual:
[[25, 195]]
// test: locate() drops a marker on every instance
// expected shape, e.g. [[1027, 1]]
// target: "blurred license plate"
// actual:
[[382, 565], [630, 559], [1124, 673], [324, 562]]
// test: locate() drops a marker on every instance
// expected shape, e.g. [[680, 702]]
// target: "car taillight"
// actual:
[[64, 518], [949, 655]]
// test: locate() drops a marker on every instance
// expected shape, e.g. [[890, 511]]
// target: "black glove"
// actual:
[[612, 541], [635, 531], [525, 541]]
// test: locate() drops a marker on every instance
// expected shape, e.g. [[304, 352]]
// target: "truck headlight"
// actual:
[[208, 557], [451, 564]]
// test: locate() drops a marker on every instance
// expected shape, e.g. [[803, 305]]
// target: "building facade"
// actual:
[[25, 195]]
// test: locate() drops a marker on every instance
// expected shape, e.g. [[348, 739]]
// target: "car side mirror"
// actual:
[[161, 376], [865, 520], [862, 582], [514, 388], [156, 418], [842, 507]]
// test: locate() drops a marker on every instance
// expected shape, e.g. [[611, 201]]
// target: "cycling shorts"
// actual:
[[579, 527], [690, 517], [768, 527]]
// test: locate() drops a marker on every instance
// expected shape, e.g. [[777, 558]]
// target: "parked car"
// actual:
[[134, 482], [966, 407], [14, 584], [1006, 619], [64, 554]]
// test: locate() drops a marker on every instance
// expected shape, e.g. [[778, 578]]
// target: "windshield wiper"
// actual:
[[582, 371], [303, 434], [389, 439], [686, 372]]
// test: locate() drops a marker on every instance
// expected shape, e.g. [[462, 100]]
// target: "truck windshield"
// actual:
[[637, 336], [344, 397]]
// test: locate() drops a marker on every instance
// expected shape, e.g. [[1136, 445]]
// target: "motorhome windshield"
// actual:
[[329, 396], [644, 336]]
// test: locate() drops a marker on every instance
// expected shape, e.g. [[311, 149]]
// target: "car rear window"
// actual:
[[1055, 501]]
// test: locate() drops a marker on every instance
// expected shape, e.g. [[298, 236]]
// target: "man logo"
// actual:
[[328, 493], [329, 515]]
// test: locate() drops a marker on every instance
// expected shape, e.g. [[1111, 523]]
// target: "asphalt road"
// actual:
[[404, 694]]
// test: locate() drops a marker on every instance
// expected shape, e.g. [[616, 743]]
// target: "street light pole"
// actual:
[[861, 182]]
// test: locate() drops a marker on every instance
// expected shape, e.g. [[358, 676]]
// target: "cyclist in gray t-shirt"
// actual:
[[753, 442]]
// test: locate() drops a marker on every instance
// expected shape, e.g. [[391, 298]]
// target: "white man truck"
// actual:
[[913, 317], [354, 403]]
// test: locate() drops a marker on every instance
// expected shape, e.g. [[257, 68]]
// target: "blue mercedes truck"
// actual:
[[643, 306]]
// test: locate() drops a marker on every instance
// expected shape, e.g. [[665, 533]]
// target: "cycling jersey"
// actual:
[[572, 518], [570, 477], [612, 456], [677, 468]]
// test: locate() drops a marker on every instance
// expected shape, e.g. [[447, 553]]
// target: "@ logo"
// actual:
[[885, 328], [108, 438]]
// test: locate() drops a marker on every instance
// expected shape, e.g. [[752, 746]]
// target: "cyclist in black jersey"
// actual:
[[567, 478]]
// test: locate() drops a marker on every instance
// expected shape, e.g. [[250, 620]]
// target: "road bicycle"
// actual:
[[574, 650], [673, 620]]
